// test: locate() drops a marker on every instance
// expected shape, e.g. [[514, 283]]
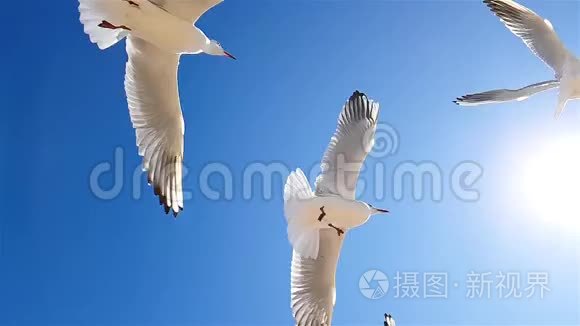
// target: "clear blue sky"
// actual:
[[67, 257]]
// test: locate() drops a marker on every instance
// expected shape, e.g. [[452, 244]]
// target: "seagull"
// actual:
[[158, 32], [318, 221], [389, 321], [541, 38]]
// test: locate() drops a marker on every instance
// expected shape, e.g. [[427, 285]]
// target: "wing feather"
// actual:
[[537, 33], [352, 141], [313, 288], [153, 98], [189, 10], [505, 95]]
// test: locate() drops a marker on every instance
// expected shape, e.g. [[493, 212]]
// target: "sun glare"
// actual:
[[551, 183]]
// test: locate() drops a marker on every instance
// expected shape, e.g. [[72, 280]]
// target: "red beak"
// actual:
[[227, 54]]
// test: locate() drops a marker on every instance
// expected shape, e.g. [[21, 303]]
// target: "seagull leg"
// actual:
[[338, 230], [322, 214], [106, 24], [132, 3]]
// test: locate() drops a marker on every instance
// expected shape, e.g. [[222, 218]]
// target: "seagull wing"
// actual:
[[189, 10], [505, 95], [538, 33], [313, 288], [352, 141], [153, 97]]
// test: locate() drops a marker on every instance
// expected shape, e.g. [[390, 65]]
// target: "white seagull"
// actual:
[[389, 320], [539, 35], [158, 32], [317, 222]]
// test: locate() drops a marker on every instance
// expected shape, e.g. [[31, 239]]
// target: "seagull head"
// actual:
[[215, 48]]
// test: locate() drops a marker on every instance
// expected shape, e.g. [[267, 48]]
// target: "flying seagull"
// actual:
[[158, 32], [318, 221], [389, 321], [539, 35]]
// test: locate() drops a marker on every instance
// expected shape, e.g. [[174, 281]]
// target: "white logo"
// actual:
[[373, 284]]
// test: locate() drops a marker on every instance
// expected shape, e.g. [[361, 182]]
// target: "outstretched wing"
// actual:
[[505, 95], [537, 33], [153, 97], [313, 289], [189, 10], [352, 141]]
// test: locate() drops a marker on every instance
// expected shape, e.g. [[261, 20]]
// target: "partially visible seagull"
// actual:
[[539, 35], [317, 222], [158, 32], [389, 321]]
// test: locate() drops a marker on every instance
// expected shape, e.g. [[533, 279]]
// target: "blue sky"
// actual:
[[68, 257]]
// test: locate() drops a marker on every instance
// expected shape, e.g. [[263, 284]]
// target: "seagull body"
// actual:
[[318, 221], [169, 32], [158, 32], [541, 38], [338, 211]]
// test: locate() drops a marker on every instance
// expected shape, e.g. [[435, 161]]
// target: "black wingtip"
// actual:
[[169, 209], [163, 202], [496, 6], [459, 100], [357, 94]]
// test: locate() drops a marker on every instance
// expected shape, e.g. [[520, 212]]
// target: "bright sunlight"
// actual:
[[551, 182]]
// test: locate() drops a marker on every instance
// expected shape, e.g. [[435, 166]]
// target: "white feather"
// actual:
[[153, 97], [353, 139]]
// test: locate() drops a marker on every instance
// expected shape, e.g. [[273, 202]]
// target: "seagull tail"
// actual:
[[303, 232], [94, 14]]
